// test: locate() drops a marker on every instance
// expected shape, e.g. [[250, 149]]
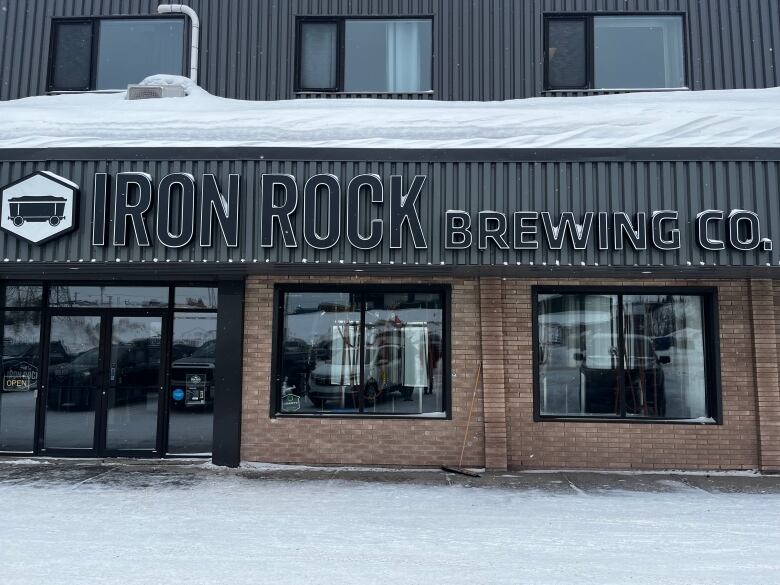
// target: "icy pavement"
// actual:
[[85, 522]]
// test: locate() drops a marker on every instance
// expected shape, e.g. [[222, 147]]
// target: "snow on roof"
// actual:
[[730, 118]]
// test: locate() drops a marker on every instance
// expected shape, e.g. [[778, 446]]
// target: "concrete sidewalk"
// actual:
[[145, 473]]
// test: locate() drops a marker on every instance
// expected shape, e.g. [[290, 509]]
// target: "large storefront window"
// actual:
[[361, 352], [623, 356]]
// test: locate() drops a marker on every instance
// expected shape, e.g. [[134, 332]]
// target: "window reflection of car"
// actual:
[[135, 369], [192, 373], [642, 371], [72, 382], [340, 382]]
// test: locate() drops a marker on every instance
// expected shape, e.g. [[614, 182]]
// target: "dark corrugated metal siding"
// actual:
[[484, 49], [578, 186]]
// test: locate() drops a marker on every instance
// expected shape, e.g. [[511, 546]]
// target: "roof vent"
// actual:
[[145, 92]]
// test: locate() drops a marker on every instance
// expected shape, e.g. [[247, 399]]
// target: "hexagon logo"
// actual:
[[39, 207]]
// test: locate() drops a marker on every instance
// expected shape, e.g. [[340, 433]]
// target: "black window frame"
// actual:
[[711, 342], [95, 21], [341, 48], [590, 50], [277, 331]]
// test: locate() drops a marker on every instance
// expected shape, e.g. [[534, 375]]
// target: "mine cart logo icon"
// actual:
[[39, 207]]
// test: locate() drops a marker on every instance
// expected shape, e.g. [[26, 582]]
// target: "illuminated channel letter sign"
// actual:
[[661, 230], [365, 211]]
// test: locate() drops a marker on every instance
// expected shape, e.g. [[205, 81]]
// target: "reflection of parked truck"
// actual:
[[36, 208], [396, 361]]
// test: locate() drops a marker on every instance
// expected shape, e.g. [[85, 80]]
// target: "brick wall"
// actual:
[[495, 314], [411, 442], [550, 444]]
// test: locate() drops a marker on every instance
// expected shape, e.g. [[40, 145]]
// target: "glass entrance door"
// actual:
[[74, 382], [104, 383], [134, 383]]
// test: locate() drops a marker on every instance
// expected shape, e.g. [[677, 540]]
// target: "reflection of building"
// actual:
[[196, 337]]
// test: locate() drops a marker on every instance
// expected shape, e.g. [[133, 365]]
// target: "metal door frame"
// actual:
[[106, 316]]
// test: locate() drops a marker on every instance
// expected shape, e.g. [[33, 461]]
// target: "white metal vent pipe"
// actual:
[[194, 33]]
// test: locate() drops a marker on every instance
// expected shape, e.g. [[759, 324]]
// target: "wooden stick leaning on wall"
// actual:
[[459, 468]]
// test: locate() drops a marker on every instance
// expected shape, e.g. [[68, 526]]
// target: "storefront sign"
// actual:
[[39, 207], [528, 230], [291, 403], [20, 377], [366, 210]]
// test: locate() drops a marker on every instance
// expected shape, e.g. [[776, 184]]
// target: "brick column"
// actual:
[[765, 350], [494, 393]]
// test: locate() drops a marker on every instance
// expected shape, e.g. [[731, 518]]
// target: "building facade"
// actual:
[[516, 308]]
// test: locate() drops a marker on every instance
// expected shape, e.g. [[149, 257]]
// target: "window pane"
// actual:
[[75, 377], [192, 297], [108, 296], [638, 52], [131, 49], [664, 356], [320, 362], [578, 354], [19, 366], [72, 59], [566, 54], [404, 353], [193, 357], [388, 55], [23, 296], [319, 55], [133, 392]]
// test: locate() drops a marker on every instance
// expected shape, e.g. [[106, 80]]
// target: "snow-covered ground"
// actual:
[[142, 527], [749, 118]]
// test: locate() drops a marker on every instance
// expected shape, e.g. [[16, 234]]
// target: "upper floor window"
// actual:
[[111, 53], [615, 52], [365, 55]]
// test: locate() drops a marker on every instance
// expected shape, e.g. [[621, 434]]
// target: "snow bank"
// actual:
[[24, 462], [733, 118]]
